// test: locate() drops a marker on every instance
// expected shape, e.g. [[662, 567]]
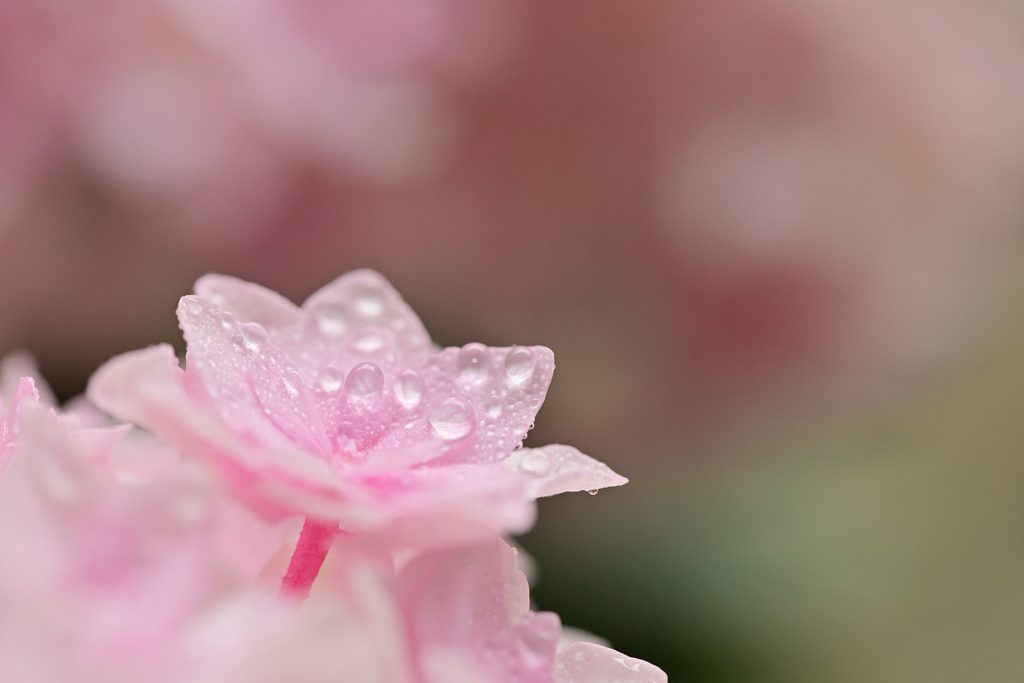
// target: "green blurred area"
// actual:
[[878, 543]]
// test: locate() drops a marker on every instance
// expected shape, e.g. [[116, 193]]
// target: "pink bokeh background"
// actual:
[[712, 213]]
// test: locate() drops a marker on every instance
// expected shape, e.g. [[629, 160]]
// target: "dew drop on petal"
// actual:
[[330, 379], [330, 320], [628, 662], [293, 382], [592, 492], [494, 407], [227, 321], [238, 341], [451, 418], [409, 389], [368, 341], [519, 364], [364, 381], [473, 362], [535, 462], [369, 303], [254, 335]]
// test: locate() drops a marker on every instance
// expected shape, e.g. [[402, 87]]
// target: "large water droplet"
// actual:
[[227, 321], [451, 418], [293, 382], [519, 364], [330, 379], [368, 303], [364, 381], [592, 492], [494, 407], [535, 462], [368, 341], [474, 362], [330, 320], [409, 388], [254, 335]]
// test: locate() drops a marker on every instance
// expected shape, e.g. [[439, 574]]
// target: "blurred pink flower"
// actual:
[[343, 411], [112, 572], [468, 618], [100, 568], [208, 118], [31, 92]]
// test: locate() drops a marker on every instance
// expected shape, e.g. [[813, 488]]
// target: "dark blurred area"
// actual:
[[774, 246]]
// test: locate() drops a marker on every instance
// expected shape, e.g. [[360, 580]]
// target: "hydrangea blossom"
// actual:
[[343, 411], [112, 572]]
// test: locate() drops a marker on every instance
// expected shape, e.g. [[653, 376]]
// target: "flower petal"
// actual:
[[503, 389], [148, 388], [363, 302], [558, 469], [471, 600], [247, 301], [241, 372], [583, 662]]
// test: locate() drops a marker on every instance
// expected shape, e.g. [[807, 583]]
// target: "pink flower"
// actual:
[[343, 411], [465, 616], [111, 571], [99, 571], [112, 575]]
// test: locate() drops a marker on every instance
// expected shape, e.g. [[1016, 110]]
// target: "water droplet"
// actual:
[[330, 320], [330, 379], [592, 492], [227, 321], [254, 335], [452, 418], [368, 341], [364, 381], [409, 389], [494, 407], [535, 462], [293, 382], [369, 303], [628, 662], [519, 364], [238, 341], [474, 362]]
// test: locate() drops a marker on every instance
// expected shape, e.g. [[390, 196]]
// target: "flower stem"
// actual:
[[314, 542]]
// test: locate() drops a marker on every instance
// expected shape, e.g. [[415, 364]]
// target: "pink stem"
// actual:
[[314, 542]]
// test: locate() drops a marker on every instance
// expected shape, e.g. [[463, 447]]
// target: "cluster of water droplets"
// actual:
[[498, 383], [366, 320], [357, 368]]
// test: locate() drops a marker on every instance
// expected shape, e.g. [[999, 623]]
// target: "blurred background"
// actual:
[[775, 246]]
